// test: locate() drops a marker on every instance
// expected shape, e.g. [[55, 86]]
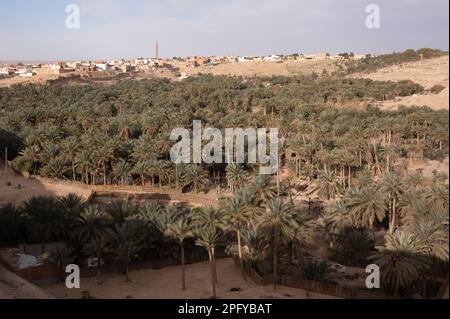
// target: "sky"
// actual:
[[35, 30]]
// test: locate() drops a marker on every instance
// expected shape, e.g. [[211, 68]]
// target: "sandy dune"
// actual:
[[250, 68], [426, 73], [165, 284]]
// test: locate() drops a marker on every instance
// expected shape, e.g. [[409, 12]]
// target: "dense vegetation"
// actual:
[[371, 64], [356, 160]]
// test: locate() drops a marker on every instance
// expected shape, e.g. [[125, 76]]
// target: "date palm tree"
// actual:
[[236, 176], [12, 225], [121, 211], [195, 175], [54, 168], [126, 243], [278, 221], [181, 230], [336, 219], [238, 214], [69, 149], [327, 185], [104, 155], [438, 197], [122, 170], [263, 189], [392, 185], [84, 164], [401, 260], [208, 240], [210, 218], [44, 220], [97, 248], [141, 168], [365, 205], [433, 236], [91, 224]]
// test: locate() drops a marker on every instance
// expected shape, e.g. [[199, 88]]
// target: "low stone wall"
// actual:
[[156, 193], [320, 287]]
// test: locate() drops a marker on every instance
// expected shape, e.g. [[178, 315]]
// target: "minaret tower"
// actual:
[[157, 49]]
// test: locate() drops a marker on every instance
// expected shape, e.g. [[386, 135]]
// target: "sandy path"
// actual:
[[30, 188], [165, 284], [15, 287]]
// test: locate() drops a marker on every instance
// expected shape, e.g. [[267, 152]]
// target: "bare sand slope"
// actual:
[[262, 68], [31, 187], [165, 283], [427, 73], [42, 76]]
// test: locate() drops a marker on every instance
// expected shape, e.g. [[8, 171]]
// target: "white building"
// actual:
[[272, 58], [102, 66], [25, 72]]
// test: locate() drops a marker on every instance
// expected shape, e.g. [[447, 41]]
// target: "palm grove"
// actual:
[[355, 160]]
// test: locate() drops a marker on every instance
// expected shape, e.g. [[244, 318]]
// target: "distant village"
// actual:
[[113, 68]]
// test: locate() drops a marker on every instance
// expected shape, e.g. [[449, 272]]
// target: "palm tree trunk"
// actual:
[[73, 171], [213, 258], [241, 262], [349, 175], [104, 173], [393, 214], [275, 259], [213, 279], [183, 268]]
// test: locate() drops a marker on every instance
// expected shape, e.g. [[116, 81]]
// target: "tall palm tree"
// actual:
[[97, 248], [91, 224], [401, 260], [208, 240], [121, 211], [195, 175], [126, 243], [54, 168], [83, 162], [181, 230], [336, 219], [433, 236], [327, 185], [12, 226], [122, 170], [278, 221], [263, 189], [104, 155], [365, 205], [236, 176], [238, 214], [44, 220], [210, 218], [438, 197], [141, 168], [69, 148], [392, 185]]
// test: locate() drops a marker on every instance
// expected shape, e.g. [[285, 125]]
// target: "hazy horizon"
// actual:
[[111, 29]]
